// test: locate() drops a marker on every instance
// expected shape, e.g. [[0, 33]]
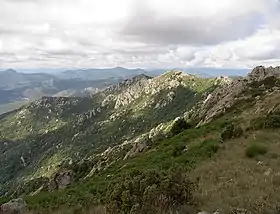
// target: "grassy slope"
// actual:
[[232, 181], [228, 179], [235, 184], [203, 143]]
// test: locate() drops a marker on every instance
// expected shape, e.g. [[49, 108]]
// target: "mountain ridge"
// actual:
[[98, 148], [115, 103]]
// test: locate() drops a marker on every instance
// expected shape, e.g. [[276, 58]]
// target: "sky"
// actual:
[[134, 33]]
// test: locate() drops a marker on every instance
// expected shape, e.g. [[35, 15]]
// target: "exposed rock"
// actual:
[[222, 80], [129, 94], [208, 98], [204, 212], [186, 149], [61, 180], [15, 206], [108, 100], [268, 172], [23, 161], [158, 132], [141, 144], [164, 102], [127, 83], [230, 93], [259, 73], [220, 100]]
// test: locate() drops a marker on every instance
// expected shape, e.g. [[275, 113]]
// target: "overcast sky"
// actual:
[[139, 33]]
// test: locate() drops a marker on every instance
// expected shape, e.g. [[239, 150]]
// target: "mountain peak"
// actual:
[[10, 71], [261, 72], [141, 76], [128, 82], [174, 73], [118, 67]]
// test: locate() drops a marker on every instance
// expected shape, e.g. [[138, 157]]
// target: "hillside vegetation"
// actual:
[[170, 144]]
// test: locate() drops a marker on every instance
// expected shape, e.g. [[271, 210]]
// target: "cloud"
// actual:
[[132, 33], [204, 27]]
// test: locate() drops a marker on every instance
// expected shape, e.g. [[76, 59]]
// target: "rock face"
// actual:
[[226, 96], [15, 206], [260, 73], [61, 180], [129, 94], [141, 144], [221, 99]]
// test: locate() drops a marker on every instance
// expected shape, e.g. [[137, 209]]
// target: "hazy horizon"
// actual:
[[211, 72]]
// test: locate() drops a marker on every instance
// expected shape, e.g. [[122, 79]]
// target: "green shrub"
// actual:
[[209, 147], [231, 132], [178, 150], [150, 191], [270, 121], [178, 126], [255, 149], [267, 83], [4, 200], [31, 186]]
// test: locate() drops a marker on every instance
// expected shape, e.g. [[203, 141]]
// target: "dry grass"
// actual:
[[93, 210], [102, 210], [270, 102], [232, 182]]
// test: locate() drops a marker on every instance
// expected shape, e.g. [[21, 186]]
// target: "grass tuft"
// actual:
[[255, 150]]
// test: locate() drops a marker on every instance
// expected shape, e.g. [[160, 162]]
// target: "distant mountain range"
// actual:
[[119, 71], [97, 74], [23, 86], [18, 88]]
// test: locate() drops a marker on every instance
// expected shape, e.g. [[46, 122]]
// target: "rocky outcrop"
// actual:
[[61, 180], [129, 148], [141, 144], [129, 94], [223, 98], [220, 100], [139, 79], [164, 102], [15, 206], [260, 73], [204, 212]]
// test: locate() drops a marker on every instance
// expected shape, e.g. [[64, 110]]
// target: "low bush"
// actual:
[[151, 192], [230, 132], [270, 121], [4, 200], [179, 126], [209, 147], [255, 150]]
